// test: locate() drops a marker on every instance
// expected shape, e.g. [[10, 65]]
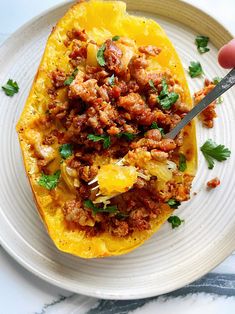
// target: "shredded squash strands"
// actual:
[[123, 182]]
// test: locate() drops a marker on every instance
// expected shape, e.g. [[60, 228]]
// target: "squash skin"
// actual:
[[92, 16]]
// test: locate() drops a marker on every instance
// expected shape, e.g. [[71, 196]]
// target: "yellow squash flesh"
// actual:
[[101, 20]]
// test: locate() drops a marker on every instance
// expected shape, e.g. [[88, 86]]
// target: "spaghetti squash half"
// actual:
[[108, 87]]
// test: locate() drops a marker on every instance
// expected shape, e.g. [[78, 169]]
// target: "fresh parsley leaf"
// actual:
[[203, 49], [49, 181], [165, 98], [115, 38], [108, 209], [70, 79], [175, 221], [216, 80], [213, 151], [169, 100], [100, 55], [66, 150], [88, 203], [151, 84], [173, 203], [111, 80], [202, 42], [182, 162], [219, 100], [96, 138], [155, 126], [127, 135], [164, 91], [121, 215], [195, 69], [10, 88]]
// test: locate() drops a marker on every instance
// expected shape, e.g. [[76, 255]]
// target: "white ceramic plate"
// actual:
[[171, 258]]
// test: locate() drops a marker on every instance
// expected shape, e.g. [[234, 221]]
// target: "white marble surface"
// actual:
[[23, 293]]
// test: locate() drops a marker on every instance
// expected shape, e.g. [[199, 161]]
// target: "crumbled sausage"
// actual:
[[78, 52], [87, 90], [138, 72], [58, 78], [87, 173], [137, 108], [120, 228], [153, 135], [150, 50], [74, 212], [76, 34], [213, 183], [159, 155], [207, 116], [49, 139], [112, 55], [58, 110], [167, 145]]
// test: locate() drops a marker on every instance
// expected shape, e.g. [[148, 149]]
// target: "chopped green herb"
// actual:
[[10, 88], [96, 138], [173, 203], [127, 135], [219, 100], [203, 49], [155, 126], [202, 42], [182, 162], [111, 80], [175, 221], [165, 98], [169, 100], [164, 91], [151, 84], [121, 215], [108, 209], [89, 204], [70, 79], [100, 55], [115, 38], [213, 151], [49, 181], [195, 69], [66, 150], [216, 80]]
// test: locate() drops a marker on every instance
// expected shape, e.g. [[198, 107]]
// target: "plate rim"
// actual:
[[98, 293]]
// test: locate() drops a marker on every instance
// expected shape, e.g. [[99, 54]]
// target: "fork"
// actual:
[[226, 83]]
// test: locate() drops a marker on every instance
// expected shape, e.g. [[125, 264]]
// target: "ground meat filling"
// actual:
[[213, 183], [107, 111], [208, 115], [150, 50], [112, 55]]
